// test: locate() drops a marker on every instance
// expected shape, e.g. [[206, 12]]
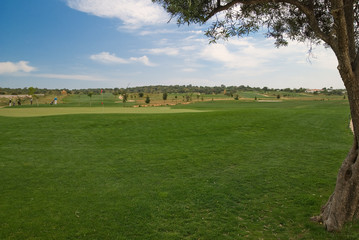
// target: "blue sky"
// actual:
[[119, 43]]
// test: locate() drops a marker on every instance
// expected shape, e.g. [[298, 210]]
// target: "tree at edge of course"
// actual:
[[334, 23]]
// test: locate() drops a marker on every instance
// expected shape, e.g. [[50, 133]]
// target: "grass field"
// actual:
[[226, 170]]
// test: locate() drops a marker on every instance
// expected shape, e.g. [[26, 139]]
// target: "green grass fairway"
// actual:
[[229, 170], [49, 111]]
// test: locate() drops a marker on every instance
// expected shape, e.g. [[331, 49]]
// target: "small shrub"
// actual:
[[124, 97]]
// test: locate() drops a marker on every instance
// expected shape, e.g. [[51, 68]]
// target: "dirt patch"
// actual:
[[269, 101], [51, 111]]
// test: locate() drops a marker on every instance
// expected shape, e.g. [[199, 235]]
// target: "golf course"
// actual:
[[206, 170]]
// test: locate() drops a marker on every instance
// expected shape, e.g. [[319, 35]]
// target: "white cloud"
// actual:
[[188, 48], [71, 77], [189, 70], [133, 13], [157, 31], [10, 67], [106, 57], [249, 53], [166, 51], [144, 60], [197, 81], [153, 31], [231, 59]]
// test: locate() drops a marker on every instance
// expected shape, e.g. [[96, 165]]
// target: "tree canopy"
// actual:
[[318, 21]]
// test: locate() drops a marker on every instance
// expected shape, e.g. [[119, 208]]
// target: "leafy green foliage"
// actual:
[[31, 91], [299, 20]]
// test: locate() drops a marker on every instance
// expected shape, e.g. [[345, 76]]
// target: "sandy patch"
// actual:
[[51, 111]]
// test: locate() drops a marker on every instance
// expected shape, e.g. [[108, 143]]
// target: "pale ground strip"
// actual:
[[22, 96], [48, 111], [269, 100]]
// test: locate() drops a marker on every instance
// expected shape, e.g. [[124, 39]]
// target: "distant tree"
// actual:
[[140, 94], [148, 100], [124, 97], [188, 98], [31, 91], [335, 92], [115, 93], [36, 97], [164, 96], [278, 96], [90, 95]]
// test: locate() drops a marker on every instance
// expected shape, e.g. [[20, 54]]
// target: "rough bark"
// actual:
[[343, 204]]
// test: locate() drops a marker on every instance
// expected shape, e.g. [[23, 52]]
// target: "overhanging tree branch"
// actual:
[[313, 22], [220, 8]]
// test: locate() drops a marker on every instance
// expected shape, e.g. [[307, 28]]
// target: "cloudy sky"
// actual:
[[119, 43]]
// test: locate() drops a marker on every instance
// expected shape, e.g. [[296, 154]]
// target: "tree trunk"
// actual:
[[343, 204]]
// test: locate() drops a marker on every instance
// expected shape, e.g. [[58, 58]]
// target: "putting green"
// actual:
[[50, 111]]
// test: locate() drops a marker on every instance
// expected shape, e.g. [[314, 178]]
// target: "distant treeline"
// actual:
[[229, 90]]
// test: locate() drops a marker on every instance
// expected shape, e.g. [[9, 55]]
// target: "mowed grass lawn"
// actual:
[[239, 171]]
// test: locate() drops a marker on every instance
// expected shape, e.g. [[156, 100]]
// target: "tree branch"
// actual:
[[313, 22], [220, 8], [304, 9], [355, 64], [349, 20], [343, 51]]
